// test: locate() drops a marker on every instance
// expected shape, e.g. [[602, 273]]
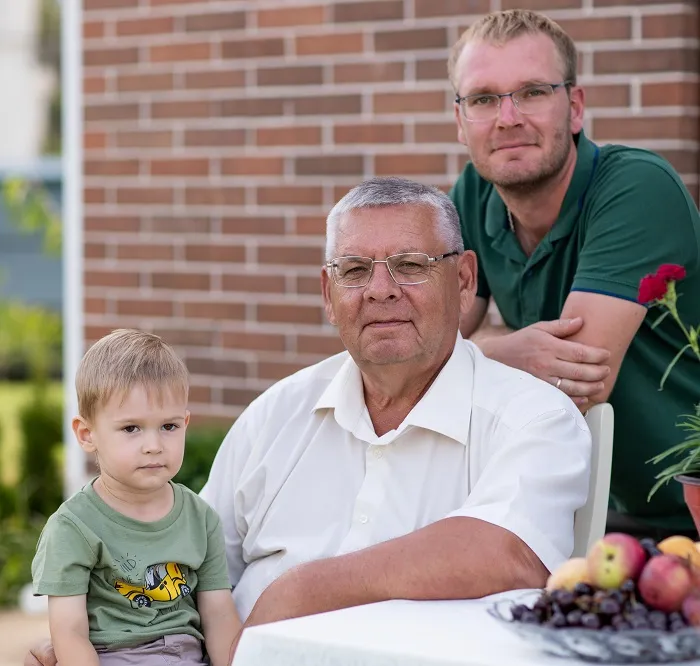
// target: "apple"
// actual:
[[613, 559], [569, 574], [665, 582], [691, 609]]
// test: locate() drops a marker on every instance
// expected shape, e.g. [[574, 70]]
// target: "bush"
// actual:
[[40, 480], [202, 445], [17, 548]]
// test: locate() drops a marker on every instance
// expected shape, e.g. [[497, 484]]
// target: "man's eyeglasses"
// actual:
[[530, 99], [406, 268]]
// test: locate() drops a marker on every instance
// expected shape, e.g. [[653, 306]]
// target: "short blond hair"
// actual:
[[123, 359], [500, 27]]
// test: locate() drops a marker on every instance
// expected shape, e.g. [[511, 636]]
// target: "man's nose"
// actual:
[[508, 113], [381, 285]]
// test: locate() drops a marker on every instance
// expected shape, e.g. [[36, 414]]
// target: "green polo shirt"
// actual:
[[626, 212]]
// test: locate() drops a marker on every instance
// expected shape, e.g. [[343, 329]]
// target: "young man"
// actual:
[[563, 231]]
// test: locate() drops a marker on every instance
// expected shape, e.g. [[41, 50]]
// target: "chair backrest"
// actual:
[[590, 519]]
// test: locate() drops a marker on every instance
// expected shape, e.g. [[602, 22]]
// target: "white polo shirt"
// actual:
[[302, 475]]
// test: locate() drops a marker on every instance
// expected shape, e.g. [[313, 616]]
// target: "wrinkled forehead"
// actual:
[[485, 66]]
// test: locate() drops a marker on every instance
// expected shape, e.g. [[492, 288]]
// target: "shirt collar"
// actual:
[[442, 409]]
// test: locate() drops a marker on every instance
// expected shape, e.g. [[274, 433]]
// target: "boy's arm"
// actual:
[[220, 624], [68, 623]]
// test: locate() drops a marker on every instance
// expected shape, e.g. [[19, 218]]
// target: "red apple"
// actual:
[[665, 582], [615, 558], [691, 609]]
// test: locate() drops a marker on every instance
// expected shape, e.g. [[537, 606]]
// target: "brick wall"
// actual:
[[218, 133]]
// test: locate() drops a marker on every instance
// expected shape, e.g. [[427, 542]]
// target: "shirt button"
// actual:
[[363, 519], [378, 453]]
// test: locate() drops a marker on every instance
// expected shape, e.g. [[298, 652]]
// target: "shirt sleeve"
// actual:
[[637, 222], [213, 573], [533, 480], [63, 560]]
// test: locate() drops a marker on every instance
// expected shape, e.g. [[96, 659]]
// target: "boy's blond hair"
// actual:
[[123, 359], [500, 27]]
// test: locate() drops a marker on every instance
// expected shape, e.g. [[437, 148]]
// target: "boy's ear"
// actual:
[[83, 433], [187, 418]]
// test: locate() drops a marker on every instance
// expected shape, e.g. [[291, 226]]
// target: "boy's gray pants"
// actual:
[[176, 650]]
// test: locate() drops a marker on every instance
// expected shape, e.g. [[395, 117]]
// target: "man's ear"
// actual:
[[327, 302], [461, 136], [467, 280], [577, 100], [83, 434]]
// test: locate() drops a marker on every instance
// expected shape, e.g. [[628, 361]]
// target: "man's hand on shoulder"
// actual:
[[545, 351]]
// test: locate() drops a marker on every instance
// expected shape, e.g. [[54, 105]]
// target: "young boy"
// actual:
[[133, 564]]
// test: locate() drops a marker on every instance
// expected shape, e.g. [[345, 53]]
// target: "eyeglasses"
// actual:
[[406, 268], [530, 99]]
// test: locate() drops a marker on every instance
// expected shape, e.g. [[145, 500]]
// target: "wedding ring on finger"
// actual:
[[558, 384]]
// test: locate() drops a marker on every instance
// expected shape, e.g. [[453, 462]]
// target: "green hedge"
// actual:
[[200, 449]]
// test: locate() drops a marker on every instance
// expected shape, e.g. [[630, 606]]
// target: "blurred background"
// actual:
[[203, 145]]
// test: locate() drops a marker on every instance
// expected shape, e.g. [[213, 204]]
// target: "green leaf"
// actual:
[[670, 366], [660, 319]]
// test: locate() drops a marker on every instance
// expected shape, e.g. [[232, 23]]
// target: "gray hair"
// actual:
[[393, 191]]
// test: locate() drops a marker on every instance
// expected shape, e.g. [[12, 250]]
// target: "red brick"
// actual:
[[178, 166], [207, 79], [329, 44], [95, 112], [146, 26], [94, 140], [253, 48], [95, 305], [144, 139], [409, 102], [180, 52], [199, 394], [214, 22], [215, 137], [290, 76], [436, 132], [204, 365], [145, 252], [607, 95], [374, 72], [411, 40], [255, 341], [241, 397], [308, 285], [94, 195], [252, 225], [622, 129], [661, 26], [405, 164], [144, 195], [122, 223], [645, 61], [94, 85], [288, 136], [216, 310], [431, 70], [106, 278], [180, 280], [542, 5], [278, 370], [96, 57], [623, 3], [214, 196], [387, 10], [327, 105], [145, 82], [368, 133], [290, 255], [319, 344], [598, 29], [187, 338], [95, 250], [145, 308], [186, 224], [310, 225], [250, 282], [111, 167], [429, 8], [223, 254], [329, 165], [181, 109], [289, 314], [287, 17], [677, 93], [283, 195], [241, 106], [109, 4], [253, 166], [93, 29]]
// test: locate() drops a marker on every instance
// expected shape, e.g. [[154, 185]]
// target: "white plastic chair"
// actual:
[[590, 519]]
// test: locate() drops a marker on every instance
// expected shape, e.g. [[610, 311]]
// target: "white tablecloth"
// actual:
[[393, 633]]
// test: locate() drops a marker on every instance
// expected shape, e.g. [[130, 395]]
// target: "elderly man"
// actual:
[[410, 466], [563, 231]]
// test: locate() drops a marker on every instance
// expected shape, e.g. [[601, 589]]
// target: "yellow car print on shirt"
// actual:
[[164, 582]]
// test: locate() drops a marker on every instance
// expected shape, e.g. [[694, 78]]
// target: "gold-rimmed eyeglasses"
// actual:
[[405, 268], [482, 107]]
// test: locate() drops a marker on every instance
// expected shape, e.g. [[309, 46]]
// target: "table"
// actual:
[[393, 633]]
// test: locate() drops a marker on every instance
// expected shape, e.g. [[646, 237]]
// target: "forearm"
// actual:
[[74, 649], [455, 558], [220, 625]]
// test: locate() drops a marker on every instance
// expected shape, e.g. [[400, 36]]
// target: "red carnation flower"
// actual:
[[670, 272], [651, 288]]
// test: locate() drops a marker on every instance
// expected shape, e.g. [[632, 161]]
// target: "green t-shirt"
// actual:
[[140, 578], [626, 212]]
